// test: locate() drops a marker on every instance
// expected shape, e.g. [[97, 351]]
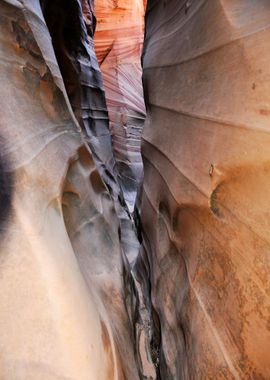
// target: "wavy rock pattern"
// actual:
[[64, 308], [72, 25], [118, 41], [205, 199], [67, 297]]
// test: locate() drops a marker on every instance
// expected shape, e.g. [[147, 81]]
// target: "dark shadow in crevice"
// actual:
[[6, 187], [72, 28]]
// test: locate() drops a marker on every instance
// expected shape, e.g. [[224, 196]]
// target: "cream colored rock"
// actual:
[[63, 310]]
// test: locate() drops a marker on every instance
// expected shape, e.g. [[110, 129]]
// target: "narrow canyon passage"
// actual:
[[118, 46], [134, 172]]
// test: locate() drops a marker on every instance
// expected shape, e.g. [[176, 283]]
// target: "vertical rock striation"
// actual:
[[118, 41], [204, 204]]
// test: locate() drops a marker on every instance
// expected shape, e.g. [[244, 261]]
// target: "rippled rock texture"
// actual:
[[118, 42], [72, 25], [64, 308], [205, 199], [69, 306]]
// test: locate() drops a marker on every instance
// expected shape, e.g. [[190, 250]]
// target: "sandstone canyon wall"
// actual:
[[204, 204], [118, 43], [195, 302], [72, 25], [64, 301]]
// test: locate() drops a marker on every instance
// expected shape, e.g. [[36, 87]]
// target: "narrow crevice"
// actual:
[[6, 187], [72, 26], [72, 39]]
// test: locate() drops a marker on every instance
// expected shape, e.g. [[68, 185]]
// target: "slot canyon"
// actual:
[[135, 190]]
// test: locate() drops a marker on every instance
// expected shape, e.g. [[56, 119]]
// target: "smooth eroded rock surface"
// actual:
[[64, 313], [205, 198], [118, 42]]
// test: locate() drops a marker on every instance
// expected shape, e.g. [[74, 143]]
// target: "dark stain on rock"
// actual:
[[97, 183], [85, 158], [108, 347], [214, 206], [6, 187], [105, 337], [25, 39], [175, 220], [264, 112]]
